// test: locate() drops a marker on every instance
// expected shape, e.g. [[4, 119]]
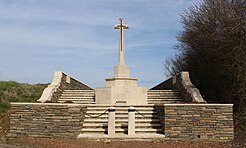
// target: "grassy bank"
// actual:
[[11, 91]]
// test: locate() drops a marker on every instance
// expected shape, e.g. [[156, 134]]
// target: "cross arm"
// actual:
[[119, 26]]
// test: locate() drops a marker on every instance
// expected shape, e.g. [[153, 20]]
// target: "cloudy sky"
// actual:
[[38, 37]]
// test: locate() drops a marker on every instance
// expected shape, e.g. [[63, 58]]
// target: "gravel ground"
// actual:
[[85, 143]]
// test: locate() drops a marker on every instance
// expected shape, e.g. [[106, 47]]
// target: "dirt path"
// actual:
[[85, 143]]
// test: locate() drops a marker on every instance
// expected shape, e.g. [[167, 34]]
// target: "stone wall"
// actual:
[[61, 82], [205, 122], [209, 122], [168, 84], [46, 120]]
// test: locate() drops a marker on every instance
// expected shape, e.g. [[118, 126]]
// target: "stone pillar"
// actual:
[[131, 120], [111, 120]]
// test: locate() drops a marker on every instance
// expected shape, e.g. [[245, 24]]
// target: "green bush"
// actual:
[[4, 107]]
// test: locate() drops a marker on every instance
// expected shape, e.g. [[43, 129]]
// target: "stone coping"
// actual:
[[198, 104], [122, 136], [72, 104], [69, 104]]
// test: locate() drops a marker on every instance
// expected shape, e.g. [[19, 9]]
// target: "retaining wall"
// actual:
[[209, 122], [46, 119], [206, 122]]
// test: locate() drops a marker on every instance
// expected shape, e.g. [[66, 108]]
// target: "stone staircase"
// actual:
[[78, 96], [146, 121], [154, 96], [164, 97]]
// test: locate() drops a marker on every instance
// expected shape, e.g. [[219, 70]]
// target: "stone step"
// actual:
[[161, 103], [76, 99], [122, 116], [78, 94], [164, 102], [163, 95], [78, 90], [171, 100], [121, 112], [105, 120], [123, 120], [155, 93], [120, 129], [137, 125], [120, 108], [83, 100], [148, 130], [79, 102], [177, 99], [96, 119], [163, 90], [164, 98]]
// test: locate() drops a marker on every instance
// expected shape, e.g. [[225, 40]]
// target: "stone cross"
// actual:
[[121, 26]]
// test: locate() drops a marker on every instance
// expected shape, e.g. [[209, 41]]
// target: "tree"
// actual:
[[212, 47]]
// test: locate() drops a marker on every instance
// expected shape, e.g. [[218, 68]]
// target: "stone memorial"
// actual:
[[172, 110], [121, 89]]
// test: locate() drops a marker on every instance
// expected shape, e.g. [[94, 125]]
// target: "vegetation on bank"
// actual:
[[11, 91], [212, 47]]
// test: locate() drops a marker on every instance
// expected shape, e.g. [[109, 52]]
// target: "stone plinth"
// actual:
[[122, 71], [121, 95], [121, 89]]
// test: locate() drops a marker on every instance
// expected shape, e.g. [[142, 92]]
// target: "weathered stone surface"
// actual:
[[210, 122], [183, 84], [61, 82], [46, 120]]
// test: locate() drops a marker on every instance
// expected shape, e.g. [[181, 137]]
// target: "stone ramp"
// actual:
[[147, 120], [78, 96], [164, 97]]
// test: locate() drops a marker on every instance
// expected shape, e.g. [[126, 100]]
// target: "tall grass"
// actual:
[[11, 91]]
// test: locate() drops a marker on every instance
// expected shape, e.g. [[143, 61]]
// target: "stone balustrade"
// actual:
[[183, 84], [61, 82]]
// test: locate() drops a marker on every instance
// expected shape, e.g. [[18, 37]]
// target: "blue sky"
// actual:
[[38, 37]]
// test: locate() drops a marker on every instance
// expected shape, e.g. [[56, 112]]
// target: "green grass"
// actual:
[[11, 91], [4, 107]]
